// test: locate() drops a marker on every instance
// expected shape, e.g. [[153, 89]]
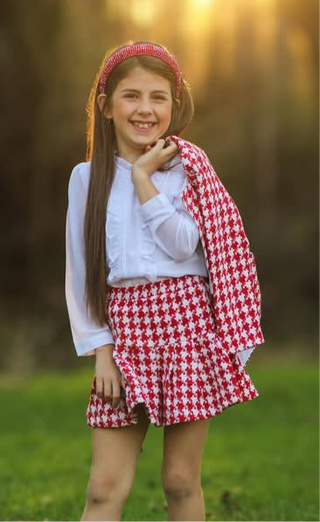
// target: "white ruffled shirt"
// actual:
[[155, 239], [144, 242], [148, 242]]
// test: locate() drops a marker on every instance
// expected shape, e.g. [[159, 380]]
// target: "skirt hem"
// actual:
[[209, 415]]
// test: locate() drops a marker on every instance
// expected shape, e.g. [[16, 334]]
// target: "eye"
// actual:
[[130, 95], [159, 97]]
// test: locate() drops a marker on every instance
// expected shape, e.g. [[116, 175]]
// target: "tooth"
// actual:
[[143, 125]]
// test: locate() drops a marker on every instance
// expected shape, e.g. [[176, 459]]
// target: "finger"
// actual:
[[169, 152], [116, 396], [99, 387], [171, 147], [159, 144], [107, 391]]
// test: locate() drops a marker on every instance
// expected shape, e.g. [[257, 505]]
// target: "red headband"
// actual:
[[139, 49]]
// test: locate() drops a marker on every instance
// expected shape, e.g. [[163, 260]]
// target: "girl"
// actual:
[[161, 285]]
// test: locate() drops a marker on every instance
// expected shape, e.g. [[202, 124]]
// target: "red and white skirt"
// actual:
[[170, 356]]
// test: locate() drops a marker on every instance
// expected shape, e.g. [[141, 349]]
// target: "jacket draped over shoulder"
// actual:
[[231, 265]]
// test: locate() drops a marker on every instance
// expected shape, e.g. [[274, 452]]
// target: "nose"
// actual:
[[144, 106]]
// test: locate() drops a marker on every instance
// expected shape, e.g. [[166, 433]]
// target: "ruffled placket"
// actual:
[[148, 245], [122, 202]]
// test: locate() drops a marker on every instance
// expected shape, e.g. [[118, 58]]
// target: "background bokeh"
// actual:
[[253, 69]]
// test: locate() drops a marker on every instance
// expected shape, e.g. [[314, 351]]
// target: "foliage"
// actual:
[[260, 460], [253, 69]]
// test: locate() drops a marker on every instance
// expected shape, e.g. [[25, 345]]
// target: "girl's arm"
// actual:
[[172, 227], [169, 222], [87, 335]]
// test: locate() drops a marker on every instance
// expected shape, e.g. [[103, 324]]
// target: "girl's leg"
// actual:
[[181, 469], [115, 453]]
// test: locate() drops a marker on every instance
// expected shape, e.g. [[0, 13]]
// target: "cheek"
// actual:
[[166, 114], [121, 109]]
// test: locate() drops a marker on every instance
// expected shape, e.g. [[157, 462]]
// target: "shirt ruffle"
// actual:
[[148, 247]]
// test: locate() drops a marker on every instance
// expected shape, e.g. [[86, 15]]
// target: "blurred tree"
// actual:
[[253, 69], [28, 34]]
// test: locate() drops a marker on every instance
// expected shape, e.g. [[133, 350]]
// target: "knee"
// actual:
[[106, 490], [178, 484]]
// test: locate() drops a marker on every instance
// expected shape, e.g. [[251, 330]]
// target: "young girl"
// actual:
[[161, 285]]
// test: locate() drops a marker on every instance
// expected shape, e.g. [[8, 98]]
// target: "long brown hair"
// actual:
[[101, 144]]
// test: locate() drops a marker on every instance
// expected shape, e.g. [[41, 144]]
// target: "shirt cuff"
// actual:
[[245, 355], [156, 210], [88, 346]]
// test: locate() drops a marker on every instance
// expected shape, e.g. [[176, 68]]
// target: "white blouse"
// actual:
[[144, 242]]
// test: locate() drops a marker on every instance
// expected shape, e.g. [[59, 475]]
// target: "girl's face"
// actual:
[[141, 111]]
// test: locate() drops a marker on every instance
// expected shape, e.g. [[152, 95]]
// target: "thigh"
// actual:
[[115, 453], [183, 447]]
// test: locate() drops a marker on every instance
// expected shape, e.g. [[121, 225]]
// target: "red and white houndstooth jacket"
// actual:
[[231, 265]]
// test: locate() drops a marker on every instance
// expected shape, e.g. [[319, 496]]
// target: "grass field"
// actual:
[[260, 459]]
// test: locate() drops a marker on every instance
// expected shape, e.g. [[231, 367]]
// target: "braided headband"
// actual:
[[140, 49]]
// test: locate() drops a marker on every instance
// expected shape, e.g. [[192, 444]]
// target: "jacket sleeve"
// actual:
[[86, 334], [171, 226]]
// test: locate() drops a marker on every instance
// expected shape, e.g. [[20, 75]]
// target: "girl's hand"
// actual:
[[109, 380], [154, 157]]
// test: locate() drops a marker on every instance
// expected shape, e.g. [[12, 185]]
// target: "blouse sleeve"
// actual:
[[171, 226], [86, 334]]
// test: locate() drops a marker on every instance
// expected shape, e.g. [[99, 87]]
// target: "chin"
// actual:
[[143, 145], [148, 140]]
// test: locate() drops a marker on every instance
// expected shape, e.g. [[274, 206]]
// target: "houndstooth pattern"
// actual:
[[230, 263], [170, 356]]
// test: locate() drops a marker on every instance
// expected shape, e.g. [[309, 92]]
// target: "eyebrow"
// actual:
[[136, 90]]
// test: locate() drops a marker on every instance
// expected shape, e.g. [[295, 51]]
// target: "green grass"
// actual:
[[260, 459]]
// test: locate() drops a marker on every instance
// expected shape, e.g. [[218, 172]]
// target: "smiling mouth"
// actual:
[[140, 125]]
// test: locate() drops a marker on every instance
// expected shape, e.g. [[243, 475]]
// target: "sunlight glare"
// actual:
[[202, 3], [143, 12]]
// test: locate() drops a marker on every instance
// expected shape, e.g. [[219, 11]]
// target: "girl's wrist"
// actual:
[[138, 175], [105, 351]]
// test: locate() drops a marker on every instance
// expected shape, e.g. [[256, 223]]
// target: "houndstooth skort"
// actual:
[[170, 356]]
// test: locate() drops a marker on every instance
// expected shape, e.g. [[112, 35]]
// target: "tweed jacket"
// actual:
[[232, 270]]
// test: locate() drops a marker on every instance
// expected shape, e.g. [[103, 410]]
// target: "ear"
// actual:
[[101, 100]]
